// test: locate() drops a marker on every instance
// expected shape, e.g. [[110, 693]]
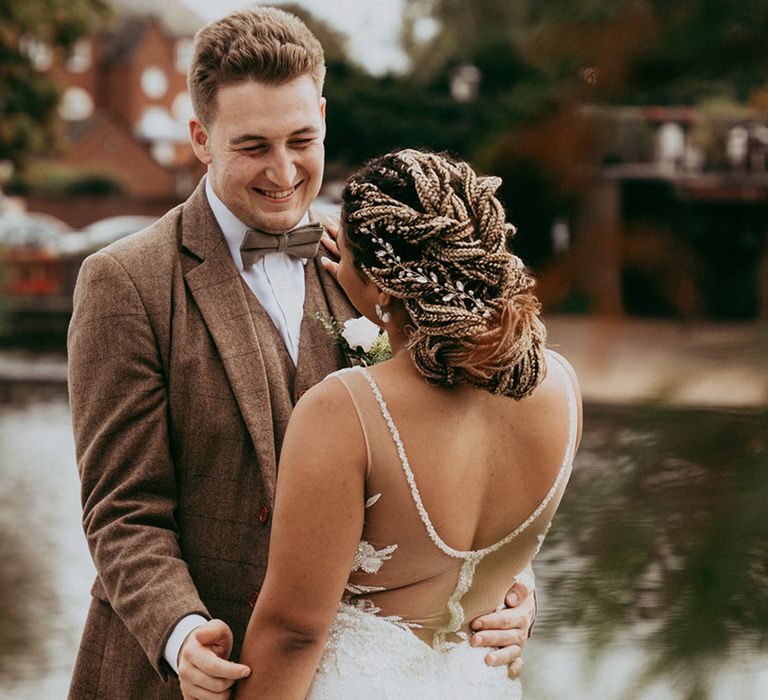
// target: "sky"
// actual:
[[372, 28]]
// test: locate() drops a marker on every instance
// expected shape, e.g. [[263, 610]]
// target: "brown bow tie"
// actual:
[[300, 242]]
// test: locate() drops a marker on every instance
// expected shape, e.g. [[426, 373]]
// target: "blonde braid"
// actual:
[[443, 252]]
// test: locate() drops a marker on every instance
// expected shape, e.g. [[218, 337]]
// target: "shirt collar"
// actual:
[[232, 228]]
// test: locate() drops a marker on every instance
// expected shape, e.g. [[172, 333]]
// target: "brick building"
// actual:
[[125, 103]]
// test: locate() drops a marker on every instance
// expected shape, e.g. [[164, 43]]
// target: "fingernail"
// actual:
[[477, 625], [513, 599], [477, 640], [324, 260], [245, 672], [491, 658]]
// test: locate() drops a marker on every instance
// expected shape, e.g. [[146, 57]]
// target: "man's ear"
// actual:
[[198, 137], [322, 116]]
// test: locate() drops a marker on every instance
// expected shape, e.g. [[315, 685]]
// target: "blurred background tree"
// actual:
[[29, 97]]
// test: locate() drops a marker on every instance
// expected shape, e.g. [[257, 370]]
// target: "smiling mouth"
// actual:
[[277, 194]]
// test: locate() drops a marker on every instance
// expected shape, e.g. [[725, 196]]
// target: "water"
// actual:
[[652, 582]]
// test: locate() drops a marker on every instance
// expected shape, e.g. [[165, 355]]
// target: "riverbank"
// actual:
[[618, 361], [630, 361]]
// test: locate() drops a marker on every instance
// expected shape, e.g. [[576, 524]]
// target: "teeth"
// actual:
[[277, 195]]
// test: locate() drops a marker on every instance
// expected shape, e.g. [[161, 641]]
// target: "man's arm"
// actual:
[[119, 406]]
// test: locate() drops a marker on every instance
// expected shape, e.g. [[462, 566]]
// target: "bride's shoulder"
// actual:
[[563, 383], [330, 393], [325, 421], [567, 371]]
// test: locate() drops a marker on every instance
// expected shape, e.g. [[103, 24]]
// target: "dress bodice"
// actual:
[[404, 570]]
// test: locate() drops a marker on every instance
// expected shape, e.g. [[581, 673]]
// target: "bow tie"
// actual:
[[300, 242]]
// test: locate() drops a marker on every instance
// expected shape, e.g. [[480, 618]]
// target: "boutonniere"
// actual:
[[362, 341]]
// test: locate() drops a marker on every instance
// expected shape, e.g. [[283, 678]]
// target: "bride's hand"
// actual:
[[329, 242], [508, 629]]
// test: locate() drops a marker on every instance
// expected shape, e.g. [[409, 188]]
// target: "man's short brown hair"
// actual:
[[263, 44]]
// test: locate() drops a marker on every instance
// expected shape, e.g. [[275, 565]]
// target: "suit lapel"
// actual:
[[216, 286]]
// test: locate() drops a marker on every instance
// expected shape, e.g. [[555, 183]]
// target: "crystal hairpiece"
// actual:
[[446, 289]]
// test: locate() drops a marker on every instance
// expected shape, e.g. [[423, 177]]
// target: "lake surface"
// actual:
[[653, 581]]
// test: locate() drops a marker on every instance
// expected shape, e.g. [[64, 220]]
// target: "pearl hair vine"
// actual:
[[447, 290]]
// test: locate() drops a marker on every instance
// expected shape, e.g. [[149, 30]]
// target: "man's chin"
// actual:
[[278, 225]]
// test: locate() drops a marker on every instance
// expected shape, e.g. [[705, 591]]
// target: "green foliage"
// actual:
[[369, 116], [652, 51], [28, 98], [665, 514], [45, 178]]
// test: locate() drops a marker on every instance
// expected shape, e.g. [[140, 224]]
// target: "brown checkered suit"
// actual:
[[180, 389]]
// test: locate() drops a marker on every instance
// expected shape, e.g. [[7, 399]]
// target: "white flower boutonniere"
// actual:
[[360, 333], [362, 341]]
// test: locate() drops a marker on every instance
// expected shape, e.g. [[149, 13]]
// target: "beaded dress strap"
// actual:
[[476, 554]]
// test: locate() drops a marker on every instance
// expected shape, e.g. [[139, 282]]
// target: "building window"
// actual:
[[80, 59], [184, 50], [40, 55], [182, 108], [76, 104], [154, 82]]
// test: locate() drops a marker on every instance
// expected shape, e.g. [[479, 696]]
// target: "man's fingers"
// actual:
[[215, 635], [211, 665], [503, 657], [198, 693], [199, 679], [502, 620], [516, 667], [498, 638], [519, 591]]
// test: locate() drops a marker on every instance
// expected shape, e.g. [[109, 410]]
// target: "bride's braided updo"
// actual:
[[430, 232]]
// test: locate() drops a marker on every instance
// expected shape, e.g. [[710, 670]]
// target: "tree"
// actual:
[[28, 97]]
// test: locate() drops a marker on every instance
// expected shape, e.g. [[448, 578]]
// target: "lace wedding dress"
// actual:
[[402, 629]]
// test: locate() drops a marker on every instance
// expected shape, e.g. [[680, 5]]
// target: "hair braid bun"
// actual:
[[430, 232]]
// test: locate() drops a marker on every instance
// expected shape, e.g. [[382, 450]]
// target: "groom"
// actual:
[[188, 347]]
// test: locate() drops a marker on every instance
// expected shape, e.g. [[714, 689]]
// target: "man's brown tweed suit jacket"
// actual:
[[180, 392]]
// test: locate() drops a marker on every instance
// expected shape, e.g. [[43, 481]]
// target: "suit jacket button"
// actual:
[[252, 599], [263, 515]]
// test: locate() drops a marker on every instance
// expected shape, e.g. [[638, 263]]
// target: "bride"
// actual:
[[412, 490]]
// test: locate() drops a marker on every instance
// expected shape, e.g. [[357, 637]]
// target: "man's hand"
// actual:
[[204, 671], [508, 628]]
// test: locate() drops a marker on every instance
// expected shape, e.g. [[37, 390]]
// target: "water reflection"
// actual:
[[652, 582], [662, 543], [46, 573]]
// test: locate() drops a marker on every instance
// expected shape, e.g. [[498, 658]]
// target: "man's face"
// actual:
[[264, 150]]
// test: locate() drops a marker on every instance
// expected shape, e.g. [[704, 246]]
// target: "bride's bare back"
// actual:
[[460, 488]]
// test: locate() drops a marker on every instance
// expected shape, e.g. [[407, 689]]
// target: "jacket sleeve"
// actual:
[[119, 404]]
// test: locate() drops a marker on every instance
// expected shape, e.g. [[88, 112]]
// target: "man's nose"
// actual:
[[281, 169]]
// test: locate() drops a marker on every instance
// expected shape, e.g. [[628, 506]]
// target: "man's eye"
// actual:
[[253, 149], [299, 143]]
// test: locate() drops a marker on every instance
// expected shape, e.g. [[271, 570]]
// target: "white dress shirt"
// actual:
[[277, 280]]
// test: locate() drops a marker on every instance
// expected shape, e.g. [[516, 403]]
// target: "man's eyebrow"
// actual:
[[304, 131]]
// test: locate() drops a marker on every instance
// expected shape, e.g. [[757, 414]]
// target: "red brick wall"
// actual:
[[81, 211]]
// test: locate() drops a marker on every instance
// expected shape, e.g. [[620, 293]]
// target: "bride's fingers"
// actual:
[[330, 243], [330, 266]]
